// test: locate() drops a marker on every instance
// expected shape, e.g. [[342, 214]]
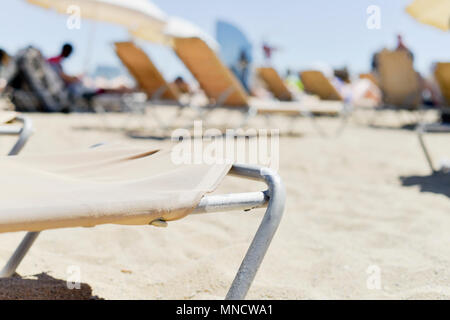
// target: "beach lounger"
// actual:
[[442, 75], [224, 90], [399, 82], [316, 83], [275, 84], [150, 81], [147, 76], [331, 101], [128, 186], [324, 107], [8, 126]]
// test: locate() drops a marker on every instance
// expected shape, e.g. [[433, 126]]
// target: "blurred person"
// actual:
[[182, 85], [57, 61], [74, 83], [293, 81], [268, 51], [3, 62], [342, 74], [401, 46], [358, 92]]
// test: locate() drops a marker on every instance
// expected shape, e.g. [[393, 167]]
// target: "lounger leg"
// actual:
[[420, 133], [24, 135], [266, 230], [11, 266], [250, 113], [345, 117], [308, 114]]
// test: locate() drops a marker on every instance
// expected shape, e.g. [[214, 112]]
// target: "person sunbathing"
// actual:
[[74, 83], [56, 63], [182, 85]]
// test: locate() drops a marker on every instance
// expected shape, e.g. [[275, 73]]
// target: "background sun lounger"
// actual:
[[128, 186], [442, 75], [275, 84], [8, 126], [330, 101], [150, 80], [316, 83], [399, 82], [221, 86], [279, 89], [147, 76]]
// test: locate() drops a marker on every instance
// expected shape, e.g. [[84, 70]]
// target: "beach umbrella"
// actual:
[[180, 28], [142, 18], [432, 12]]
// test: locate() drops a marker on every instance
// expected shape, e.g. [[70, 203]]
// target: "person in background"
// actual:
[[57, 61], [74, 83], [342, 74], [4, 58], [268, 51], [182, 85], [293, 81], [3, 62], [400, 46]]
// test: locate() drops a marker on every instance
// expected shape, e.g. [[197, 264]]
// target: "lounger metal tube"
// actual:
[[10, 268], [23, 132], [266, 231], [421, 128], [228, 202]]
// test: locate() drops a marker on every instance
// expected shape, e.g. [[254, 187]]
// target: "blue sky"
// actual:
[[307, 32]]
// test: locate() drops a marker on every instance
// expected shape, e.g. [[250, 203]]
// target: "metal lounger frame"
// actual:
[[423, 128], [23, 132], [274, 198]]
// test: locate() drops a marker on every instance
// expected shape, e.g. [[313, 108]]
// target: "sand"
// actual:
[[360, 202]]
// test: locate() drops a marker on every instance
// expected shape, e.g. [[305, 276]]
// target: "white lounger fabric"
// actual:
[[110, 184], [7, 117]]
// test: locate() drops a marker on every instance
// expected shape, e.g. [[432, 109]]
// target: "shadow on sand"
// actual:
[[436, 183], [42, 287]]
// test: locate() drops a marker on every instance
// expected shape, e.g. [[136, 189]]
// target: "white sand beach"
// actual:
[[363, 199]]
